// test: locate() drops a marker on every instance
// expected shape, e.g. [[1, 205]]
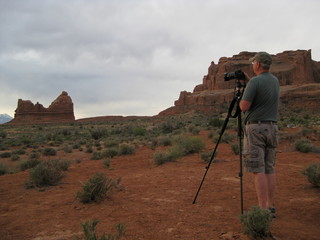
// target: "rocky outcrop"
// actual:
[[214, 94], [60, 110]]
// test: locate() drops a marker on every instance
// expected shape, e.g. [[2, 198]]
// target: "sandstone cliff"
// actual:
[[213, 95], [60, 110]]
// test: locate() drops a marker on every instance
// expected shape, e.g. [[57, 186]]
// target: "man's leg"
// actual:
[[271, 179], [261, 185]]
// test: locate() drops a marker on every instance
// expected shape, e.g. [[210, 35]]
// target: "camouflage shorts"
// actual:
[[259, 147]]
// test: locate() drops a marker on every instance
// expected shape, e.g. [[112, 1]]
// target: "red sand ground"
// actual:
[[157, 200]]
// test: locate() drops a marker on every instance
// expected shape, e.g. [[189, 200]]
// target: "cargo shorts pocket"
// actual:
[[251, 159]]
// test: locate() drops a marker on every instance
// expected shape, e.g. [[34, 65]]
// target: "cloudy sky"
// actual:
[[133, 57]]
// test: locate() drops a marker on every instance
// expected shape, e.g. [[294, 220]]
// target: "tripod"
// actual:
[[237, 114]]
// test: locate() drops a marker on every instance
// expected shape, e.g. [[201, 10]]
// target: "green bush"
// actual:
[[4, 169], [19, 152], [235, 148], [98, 133], [97, 156], [15, 157], [206, 156], [34, 155], [139, 131], [313, 174], [303, 145], [90, 231], [110, 152], [106, 163], [5, 155], [30, 163], [160, 158], [167, 127], [164, 140], [216, 122], [126, 149], [97, 188], [189, 144], [176, 151], [49, 152], [48, 173], [3, 134], [256, 223], [67, 149]]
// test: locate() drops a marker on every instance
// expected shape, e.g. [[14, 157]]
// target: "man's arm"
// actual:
[[244, 105]]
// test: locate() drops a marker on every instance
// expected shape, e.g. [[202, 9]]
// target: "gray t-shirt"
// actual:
[[263, 93]]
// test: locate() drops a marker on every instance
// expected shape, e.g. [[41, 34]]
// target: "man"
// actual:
[[260, 102]]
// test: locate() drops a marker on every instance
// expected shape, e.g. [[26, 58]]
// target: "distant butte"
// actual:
[[60, 110]]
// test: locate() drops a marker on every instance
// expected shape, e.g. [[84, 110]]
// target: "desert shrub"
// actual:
[[313, 174], [176, 151], [106, 163], [5, 155], [303, 145], [66, 148], [139, 131], [76, 146], [96, 156], [98, 133], [110, 152], [235, 148], [170, 155], [97, 144], [164, 141], [256, 223], [15, 157], [30, 163], [194, 130], [97, 188], [49, 152], [216, 122], [90, 231], [62, 164], [89, 149], [3, 134], [227, 138], [4, 169], [34, 155], [167, 127], [126, 149], [189, 144], [48, 173], [111, 143], [20, 151], [206, 156], [160, 158]]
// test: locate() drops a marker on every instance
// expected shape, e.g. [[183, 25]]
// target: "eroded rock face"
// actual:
[[60, 110], [214, 94]]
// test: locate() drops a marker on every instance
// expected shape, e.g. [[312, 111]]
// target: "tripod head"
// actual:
[[240, 85]]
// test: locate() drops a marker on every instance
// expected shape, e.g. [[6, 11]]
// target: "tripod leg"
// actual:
[[240, 134], [212, 156]]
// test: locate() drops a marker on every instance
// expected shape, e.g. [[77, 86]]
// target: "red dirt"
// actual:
[[156, 203]]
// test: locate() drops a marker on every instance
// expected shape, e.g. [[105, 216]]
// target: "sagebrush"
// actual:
[[257, 222], [97, 188], [47, 173], [89, 230], [313, 174]]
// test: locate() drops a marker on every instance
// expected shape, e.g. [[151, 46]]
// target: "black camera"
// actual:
[[234, 75]]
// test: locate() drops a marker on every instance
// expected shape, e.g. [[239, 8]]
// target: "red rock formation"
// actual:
[[215, 94], [60, 110]]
